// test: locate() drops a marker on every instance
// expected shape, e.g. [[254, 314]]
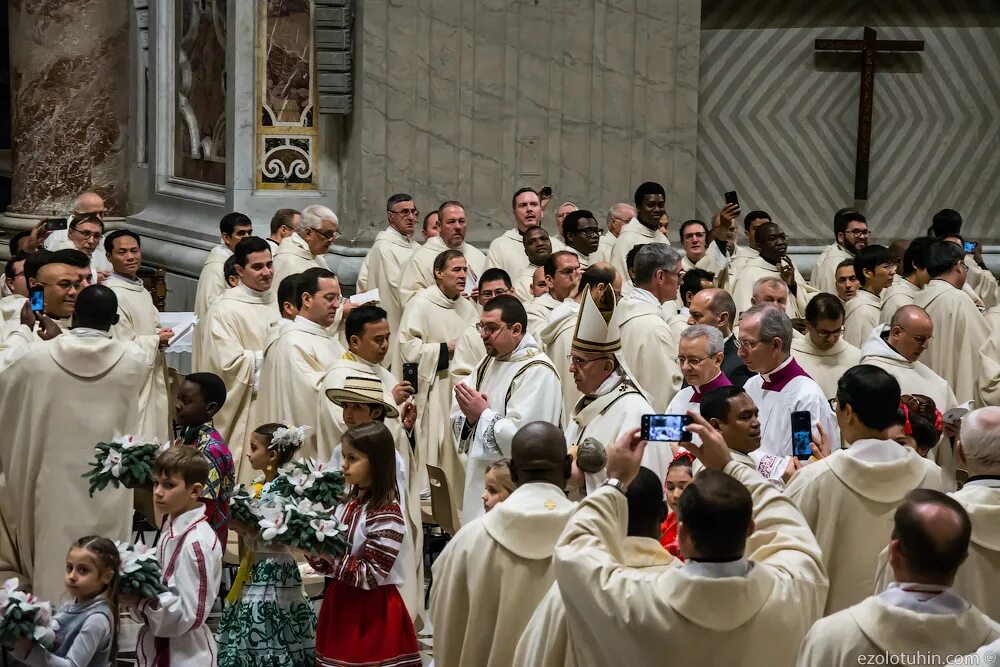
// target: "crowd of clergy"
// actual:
[[515, 383]]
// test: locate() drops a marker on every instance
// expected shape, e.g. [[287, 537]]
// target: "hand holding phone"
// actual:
[[802, 435], [410, 374], [970, 246], [36, 296], [732, 199], [53, 224], [666, 428]]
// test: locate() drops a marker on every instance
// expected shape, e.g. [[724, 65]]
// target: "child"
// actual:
[[268, 622], [919, 424], [363, 620], [88, 632], [200, 397], [498, 483], [190, 556], [678, 477]]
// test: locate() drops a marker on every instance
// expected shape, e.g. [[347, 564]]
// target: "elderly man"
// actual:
[[927, 548], [307, 247], [648, 344], [876, 271], [847, 281], [538, 248], [233, 228], [48, 441], [84, 234], [618, 216], [507, 250], [562, 275], [716, 308], [783, 387], [699, 355], [538, 284], [515, 384], [772, 262], [650, 202], [770, 291], [822, 352], [469, 348], [850, 233], [912, 278], [419, 272], [582, 234], [284, 223]]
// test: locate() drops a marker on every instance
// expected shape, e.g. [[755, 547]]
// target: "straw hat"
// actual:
[[362, 388]]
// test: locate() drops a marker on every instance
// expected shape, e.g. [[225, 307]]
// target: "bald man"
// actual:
[[85, 204], [716, 308], [495, 571], [930, 541]]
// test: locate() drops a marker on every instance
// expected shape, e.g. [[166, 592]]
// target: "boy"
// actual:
[[199, 399], [190, 554]]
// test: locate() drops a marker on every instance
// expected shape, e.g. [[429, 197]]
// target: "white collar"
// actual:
[[924, 599], [310, 327], [988, 482], [767, 376], [249, 291], [185, 520], [399, 236], [136, 281], [301, 243], [641, 294], [876, 451], [609, 384], [87, 332], [733, 568]]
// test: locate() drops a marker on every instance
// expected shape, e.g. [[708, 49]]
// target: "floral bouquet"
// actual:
[[302, 525], [243, 505], [22, 616], [319, 483], [125, 461], [140, 571]]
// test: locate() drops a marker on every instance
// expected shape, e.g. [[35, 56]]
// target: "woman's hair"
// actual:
[[106, 553], [284, 455], [503, 467], [375, 441], [682, 460], [922, 416]]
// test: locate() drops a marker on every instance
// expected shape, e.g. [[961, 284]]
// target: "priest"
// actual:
[[506, 251], [62, 284], [230, 343], [307, 247], [492, 575], [700, 354], [17, 288], [947, 224], [921, 620], [822, 352], [752, 221], [84, 387], [618, 216], [139, 322], [537, 248], [959, 328], [731, 412], [562, 276], [847, 281], [419, 272], [876, 271], [469, 348], [297, 359], [706, 249], [772, 246], [234, 227], [648, 345], [650, 206], [716, 308], [583, 234], [848, 497], [514, 384], [850, 233]]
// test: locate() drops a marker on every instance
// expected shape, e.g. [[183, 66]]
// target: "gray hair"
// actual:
[[314, 215], [617, 210], [716, 344], [769, 281], [567, 203], [773, 324], [654, 257], [981, 437]]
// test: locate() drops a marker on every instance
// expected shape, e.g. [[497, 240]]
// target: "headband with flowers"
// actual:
[[288, 438]]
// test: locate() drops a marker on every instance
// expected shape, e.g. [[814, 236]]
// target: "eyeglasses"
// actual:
[[694, 235], [65, 285], [858, 232], [407, 211], [330, 236], [690, 361], [834, 404], [829, 334], [489, 294], [919, 340], [490, 329], [580, 362], [93, 236], [747, 344]]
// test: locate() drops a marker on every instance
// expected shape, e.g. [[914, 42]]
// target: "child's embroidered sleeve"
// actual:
[[368, 570], [196, 582]]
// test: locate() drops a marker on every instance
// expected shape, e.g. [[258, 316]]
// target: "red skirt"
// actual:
[[361, 627]]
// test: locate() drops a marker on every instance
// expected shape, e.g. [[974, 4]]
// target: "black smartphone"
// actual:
[[970, 246], [665, 428], [731, 198], [802, 435], [36, 295], [410, 373], [54, 224], [545, 192]]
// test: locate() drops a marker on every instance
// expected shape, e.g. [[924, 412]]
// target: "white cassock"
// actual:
[[138, 321], [982, 282], [992, 317], [739, 258], [98, 261], [911, 626], [714, 260], [915, 378], [632, 234], [16, 338], [900, 293], [469, 352], [522, 388], [492, 575], [824, 274], [848, 499], [959, 331], [294, 256], [988, 371], [382, 270], [787, 389], [557, 341], [604, 249], [825, 366], [585, 260], [212, 280], [977, 577], [522, 283], [861, 316], [753, 269], [10, 307], [697, 614], [79, 389], [649, 347], [291, 377], [678, 322], [418, 273], [429, 320], [539, 310], [507, 252], [230, 343]]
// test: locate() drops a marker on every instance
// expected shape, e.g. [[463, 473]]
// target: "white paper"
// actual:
[[471, 282], [183, 326], [956, 413], [365, 297]]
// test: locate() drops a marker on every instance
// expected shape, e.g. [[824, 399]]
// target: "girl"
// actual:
[[919, 425], [678, 477], [363, 620], [268, 621], [88, 630], [498, 484]]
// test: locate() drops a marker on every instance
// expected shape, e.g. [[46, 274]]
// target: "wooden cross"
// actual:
[[868, 47]]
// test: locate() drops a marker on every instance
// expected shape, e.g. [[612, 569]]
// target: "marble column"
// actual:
[[70, 103]]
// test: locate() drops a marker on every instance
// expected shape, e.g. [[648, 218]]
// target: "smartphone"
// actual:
[[802, 435], [37, 297], [731, 198], [410, 373], [545, 192], [665, 428], [970, 246], [54, 224]]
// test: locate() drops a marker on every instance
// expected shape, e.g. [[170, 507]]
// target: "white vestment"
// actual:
[[98, 261], [649, 347], [825, 366], [507, 252], [469, 352], [848, 499], [982, 281], [824, 274], [522, 283], [714, 261], [557, 341], [10, 307], [862, 315], [294, 256], [753, 269], [521, 388], [900, 293], [382, 270], [632, 234], [585, 260], [212, 281], [539, 310], [604, 249], [418, 272]]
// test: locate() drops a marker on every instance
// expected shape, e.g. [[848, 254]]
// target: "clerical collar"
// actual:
[[609, 384], [717, 570], [923, 599], [249, 291], [87, 332], [718, 381], [989, 481], [350, 356], [643, 295], [653, 229], [777, 379], [310, 326], [131, 281], [527, 342], [400, 236]]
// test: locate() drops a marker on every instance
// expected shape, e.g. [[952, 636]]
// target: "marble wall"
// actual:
[[471, 99], [69, 112]]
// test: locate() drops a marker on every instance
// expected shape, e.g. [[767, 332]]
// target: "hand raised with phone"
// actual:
[[712, 452]]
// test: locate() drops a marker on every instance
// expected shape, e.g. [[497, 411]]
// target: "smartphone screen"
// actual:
[[410, 374], [970, 246], [53, 224], [665, 428], [731, 198], [37, 297], [801, 435]]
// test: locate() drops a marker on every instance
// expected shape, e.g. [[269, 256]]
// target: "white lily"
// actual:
[[273, 522], [326, 528], [301, 481], [113, 462]]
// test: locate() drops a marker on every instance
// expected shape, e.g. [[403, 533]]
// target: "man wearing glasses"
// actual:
[[850, 233], [469, 348], [822, 352], [583, 235], [306, 248], [62, 284], [699, 355], [84, 234]]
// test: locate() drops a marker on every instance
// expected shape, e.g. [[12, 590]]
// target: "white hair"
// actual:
[[82, 197], [716, 343], [766, 281], [617, 210], [568, 203], [981, 437], [314, 215]]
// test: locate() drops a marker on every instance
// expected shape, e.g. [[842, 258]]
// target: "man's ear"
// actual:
[[724, 320], [212, 408]]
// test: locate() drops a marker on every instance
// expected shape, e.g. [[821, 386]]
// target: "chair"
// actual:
[[442, 508]]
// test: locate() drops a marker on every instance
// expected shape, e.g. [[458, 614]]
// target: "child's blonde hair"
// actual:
[[106, 553], [502, 467]]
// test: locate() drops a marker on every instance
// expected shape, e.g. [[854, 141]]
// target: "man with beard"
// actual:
[[850, 233]]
